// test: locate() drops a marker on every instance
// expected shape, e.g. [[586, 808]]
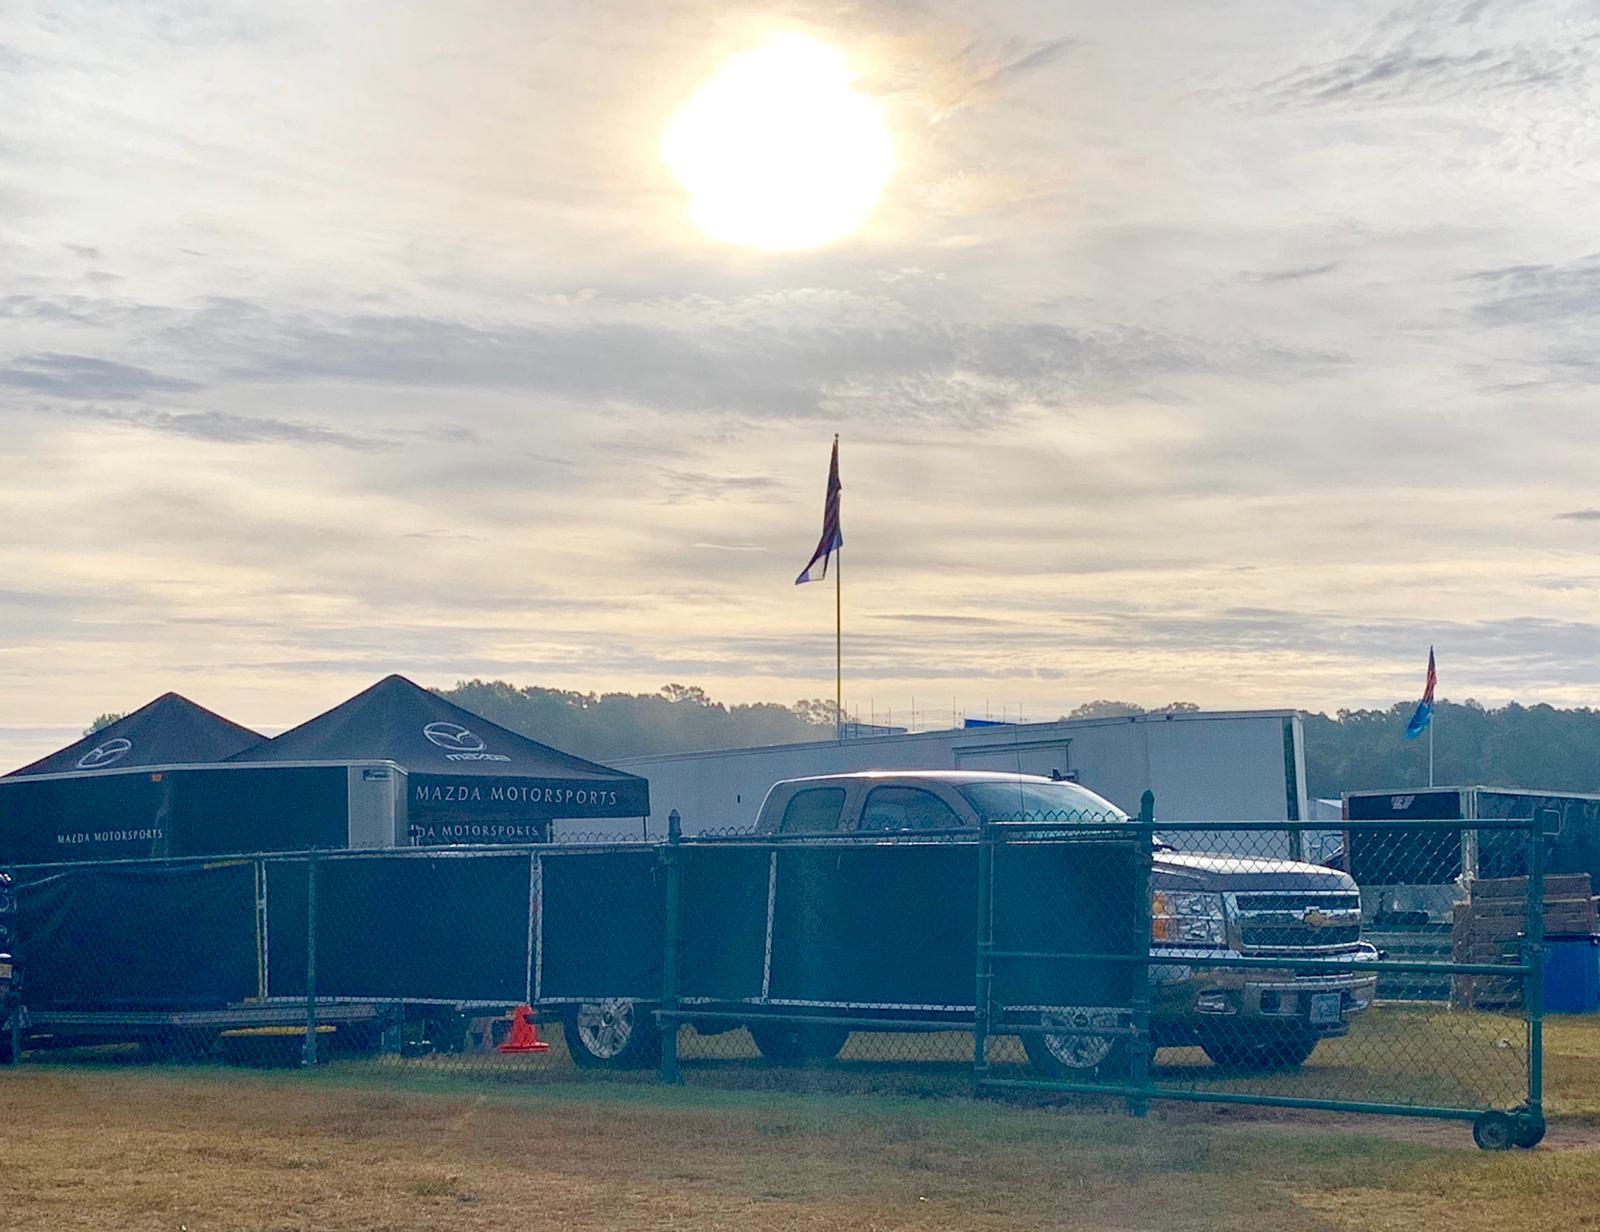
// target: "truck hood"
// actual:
[[1225, 873]]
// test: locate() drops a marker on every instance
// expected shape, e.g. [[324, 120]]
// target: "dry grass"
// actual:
[[157, 1148]]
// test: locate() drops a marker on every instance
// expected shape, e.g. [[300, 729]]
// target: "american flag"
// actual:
[[832, 537]]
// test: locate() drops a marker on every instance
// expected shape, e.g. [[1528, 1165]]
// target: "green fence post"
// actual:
[[11, 1003], [1139, 1069], [308, 1056], [671, 856], [983, 964], [1533, 974]]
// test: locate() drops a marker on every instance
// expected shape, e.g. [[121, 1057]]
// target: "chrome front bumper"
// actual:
[[1199, 994]]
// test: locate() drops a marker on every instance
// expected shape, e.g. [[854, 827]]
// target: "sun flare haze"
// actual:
[[508, 341], [777, 151]]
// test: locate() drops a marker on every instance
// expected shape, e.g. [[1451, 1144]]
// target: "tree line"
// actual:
[[1351, 750], [1513, 745]]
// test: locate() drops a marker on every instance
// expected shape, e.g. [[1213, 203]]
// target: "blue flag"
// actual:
[[1421, 720]]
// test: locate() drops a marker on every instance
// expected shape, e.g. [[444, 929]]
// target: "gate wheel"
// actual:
[[1495, 1131]]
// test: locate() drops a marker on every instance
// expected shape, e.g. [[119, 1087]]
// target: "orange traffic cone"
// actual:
[[524, 1033]]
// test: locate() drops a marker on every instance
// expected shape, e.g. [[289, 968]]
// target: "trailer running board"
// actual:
[[122, 1023]]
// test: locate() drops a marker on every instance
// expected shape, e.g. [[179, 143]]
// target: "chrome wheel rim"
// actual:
[[1076, 1051], [605, 1027]]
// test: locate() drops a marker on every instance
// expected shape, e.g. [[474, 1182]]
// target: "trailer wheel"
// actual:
[[795, 1043], [613, 1034], [1077, 1055], [1080, 1057]]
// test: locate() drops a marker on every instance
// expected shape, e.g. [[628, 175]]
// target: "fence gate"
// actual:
[[1225, 968]]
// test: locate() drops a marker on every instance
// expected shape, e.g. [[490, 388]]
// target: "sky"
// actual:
[[1232, 353]]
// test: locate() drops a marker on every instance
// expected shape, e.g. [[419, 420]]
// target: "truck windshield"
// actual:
[[1014, 801]]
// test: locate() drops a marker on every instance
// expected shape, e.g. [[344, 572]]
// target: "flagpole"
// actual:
[[1430, 750], [838, 646], [838, 629]]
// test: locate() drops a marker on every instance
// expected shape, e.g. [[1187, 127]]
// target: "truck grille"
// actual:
[[1296, 920]]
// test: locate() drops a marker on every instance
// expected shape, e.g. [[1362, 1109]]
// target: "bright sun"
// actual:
[[777, 151]]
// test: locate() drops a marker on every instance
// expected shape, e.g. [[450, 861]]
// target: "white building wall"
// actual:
[[1201, 766]]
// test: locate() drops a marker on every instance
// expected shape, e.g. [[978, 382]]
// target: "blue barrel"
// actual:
[[1572, 974]]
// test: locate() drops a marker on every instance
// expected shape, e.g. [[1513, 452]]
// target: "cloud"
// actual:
[[980, 73], [220, 427], [1291, 274], [1579, 515], [895, 371], [677, 486], [1411, 77], [1532, 294], [83, 376], [1433, 53]]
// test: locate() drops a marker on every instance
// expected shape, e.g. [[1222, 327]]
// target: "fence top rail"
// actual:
[[339, 853], [1044, 830], [1519, 824], [1049, 826], [854, 838]]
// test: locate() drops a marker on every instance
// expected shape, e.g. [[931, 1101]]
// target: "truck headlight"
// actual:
[[1182, 917]]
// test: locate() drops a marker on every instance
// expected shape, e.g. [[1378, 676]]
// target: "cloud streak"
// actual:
[[85, 376]]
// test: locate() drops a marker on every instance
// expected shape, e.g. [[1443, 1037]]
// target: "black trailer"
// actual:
[[188, 810], [1414, 876]]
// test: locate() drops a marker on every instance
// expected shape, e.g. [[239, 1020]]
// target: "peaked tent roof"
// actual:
[[401, 721], [171, 730]]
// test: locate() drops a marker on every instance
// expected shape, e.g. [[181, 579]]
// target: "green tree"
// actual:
[[1104, 709], [1509, 746], [678, 719], [103, 720]]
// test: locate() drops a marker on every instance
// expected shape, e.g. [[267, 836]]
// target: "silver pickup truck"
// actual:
[[1203, 906]]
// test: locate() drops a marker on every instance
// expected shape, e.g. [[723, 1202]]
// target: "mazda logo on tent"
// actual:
[[454, 737], [104, 754], [460, 743]]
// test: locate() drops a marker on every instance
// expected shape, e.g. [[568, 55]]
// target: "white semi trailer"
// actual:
[[1202, 766]]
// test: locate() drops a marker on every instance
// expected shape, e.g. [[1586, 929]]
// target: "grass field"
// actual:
[[153, 1147]]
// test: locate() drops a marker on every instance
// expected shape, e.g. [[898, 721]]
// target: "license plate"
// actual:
[[1327, 1009], [5, 972]]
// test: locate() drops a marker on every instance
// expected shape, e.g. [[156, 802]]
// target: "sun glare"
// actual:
[[777, 151]]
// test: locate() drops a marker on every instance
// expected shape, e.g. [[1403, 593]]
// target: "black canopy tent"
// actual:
[[112, 794], [169, 731], [468, 780]]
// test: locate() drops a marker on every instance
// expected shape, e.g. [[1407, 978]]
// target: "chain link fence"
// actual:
[[1232, 962], [1256, 982]]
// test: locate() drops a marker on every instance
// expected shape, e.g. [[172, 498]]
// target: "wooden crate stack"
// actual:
[[1489, 926]]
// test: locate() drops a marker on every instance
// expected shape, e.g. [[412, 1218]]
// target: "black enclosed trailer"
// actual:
[[1414, 876], [190, 810]]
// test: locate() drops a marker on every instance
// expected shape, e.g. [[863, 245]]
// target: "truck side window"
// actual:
[[907, 808], [815, 811]]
